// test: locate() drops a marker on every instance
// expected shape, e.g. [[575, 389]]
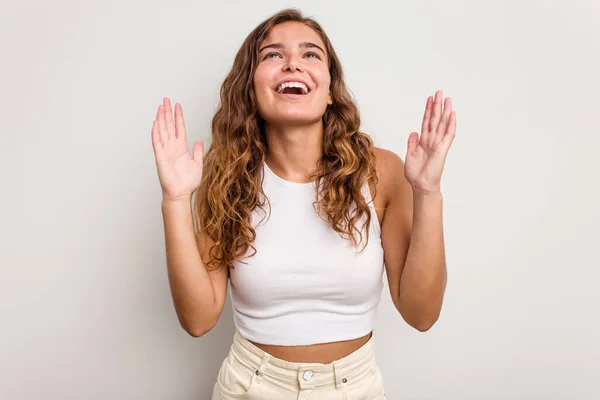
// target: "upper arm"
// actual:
[[397, 221]]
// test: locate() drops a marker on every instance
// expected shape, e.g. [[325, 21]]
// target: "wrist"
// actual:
[[424, 195], [184, 198], [170, 202]]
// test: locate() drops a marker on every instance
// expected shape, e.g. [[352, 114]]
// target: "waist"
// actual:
[[306, 373], [323, 353]]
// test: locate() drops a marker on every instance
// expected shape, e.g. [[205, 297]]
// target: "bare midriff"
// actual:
[[323, 353]]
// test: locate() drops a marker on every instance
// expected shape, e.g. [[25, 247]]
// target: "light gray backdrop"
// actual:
[[84, 298]]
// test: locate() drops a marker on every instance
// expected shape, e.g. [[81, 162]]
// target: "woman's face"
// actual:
[[292, 78]]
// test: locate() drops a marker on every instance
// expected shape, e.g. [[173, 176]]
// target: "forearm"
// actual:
[[423, 279], [191, 286]]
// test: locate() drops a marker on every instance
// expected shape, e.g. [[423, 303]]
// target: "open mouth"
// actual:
[[293, 88]]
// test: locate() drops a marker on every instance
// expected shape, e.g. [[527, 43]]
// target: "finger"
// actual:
[[413, 142], [443, 126], [198, 152], [179, 122], [426, 117], [156, 142], [436, 112], [162, 131], [169, 118], [451, 132]]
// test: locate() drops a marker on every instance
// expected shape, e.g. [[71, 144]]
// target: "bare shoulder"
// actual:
[[390, 172]]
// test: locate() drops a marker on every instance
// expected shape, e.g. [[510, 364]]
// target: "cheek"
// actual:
[[259, 74], [327, 79], [323, 77], [261, 83]]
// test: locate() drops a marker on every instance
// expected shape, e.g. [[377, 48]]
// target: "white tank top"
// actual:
[[306, 284]]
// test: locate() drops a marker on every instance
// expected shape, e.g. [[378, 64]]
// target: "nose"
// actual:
[[292, 65]]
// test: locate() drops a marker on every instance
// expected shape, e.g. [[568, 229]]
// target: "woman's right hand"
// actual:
[[178, 173]]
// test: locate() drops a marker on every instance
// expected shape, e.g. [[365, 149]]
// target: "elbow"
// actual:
[[424, 326], [418, 319], [197, 330]]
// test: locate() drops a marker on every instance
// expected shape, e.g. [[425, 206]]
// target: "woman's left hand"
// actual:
[[425, 156]]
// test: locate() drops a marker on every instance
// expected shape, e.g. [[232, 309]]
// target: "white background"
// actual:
[[85, 308]]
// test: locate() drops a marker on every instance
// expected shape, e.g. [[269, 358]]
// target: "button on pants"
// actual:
[[250, 373]]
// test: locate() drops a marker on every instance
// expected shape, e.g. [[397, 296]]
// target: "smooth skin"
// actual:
[[408, 203]]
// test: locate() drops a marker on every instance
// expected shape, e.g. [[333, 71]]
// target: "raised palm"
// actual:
[[179, 174], [426, 155]]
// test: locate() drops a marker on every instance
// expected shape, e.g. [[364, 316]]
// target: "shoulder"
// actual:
[[390, 173], [387, 158]]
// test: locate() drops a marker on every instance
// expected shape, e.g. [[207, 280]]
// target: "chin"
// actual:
[[293, 115], [294, 119]]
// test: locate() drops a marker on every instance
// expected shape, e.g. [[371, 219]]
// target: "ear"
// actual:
[[330, 101]]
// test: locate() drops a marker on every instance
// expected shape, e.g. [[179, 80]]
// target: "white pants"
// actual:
[[250, 373]]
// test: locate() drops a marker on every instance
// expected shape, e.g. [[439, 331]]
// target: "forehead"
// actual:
[[290, 33]]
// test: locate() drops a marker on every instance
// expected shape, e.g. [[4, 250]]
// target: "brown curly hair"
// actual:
[[231, 181]]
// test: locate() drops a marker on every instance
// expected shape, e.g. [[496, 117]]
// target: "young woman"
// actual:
[[297, 209]]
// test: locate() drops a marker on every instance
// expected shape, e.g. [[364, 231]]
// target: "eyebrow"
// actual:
[[301, 44]]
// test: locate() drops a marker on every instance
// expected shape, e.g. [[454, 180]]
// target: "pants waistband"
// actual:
[[306, 375]]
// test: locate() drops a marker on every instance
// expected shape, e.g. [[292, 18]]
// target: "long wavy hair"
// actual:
[[231, 183]]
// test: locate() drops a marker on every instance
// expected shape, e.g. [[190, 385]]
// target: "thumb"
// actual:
[[413, 142], [198, 152]]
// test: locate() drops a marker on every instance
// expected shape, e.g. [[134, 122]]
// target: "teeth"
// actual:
[[292, 84]]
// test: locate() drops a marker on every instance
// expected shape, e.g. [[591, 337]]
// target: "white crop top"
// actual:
[[306, 284]]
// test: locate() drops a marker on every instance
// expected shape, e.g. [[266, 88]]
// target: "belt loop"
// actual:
[[262, 367], [337, 373]]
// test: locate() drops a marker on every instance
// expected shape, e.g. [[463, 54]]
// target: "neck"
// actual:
[[294, 150]]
